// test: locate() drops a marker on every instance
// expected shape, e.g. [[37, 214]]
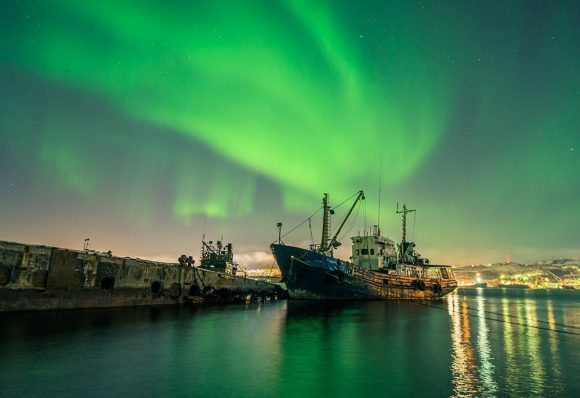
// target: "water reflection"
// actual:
[[532, 345], [507, 344], [486, 370], [554, 357], [509, 349], [502, 343], [463, 366]]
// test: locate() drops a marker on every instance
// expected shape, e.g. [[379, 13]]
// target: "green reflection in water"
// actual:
[[556, 371], [508, 348], [520, 364], [290, 349], [487, 368]]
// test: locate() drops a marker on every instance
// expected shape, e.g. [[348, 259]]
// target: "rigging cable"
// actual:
[[346, 200], [299, 225], [343, 202], [365, 217], [501, 320], [380, 181], [515, 316], [352, 223]]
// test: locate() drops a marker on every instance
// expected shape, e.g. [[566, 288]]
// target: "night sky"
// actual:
[[142, 124]]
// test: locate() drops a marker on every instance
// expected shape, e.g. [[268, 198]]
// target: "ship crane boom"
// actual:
[[333, 242]]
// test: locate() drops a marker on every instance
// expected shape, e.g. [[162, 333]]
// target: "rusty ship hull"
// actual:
[[313, 275]]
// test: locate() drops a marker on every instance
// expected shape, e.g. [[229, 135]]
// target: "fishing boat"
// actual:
[[378, 268], [219, 278]]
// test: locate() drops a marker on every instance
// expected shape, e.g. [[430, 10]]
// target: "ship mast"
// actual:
[[325, 224], [404, 225], [404, 213]]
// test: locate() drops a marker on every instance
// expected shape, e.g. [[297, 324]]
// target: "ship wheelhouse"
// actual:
[[374, 252]]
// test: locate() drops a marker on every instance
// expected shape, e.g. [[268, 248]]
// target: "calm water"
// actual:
[[478, 342]]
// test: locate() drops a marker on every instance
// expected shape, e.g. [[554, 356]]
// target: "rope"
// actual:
[[299, 225], [313, 214], [346, 200], [365, 216], [352, 224], [503, 321], [515, 316]]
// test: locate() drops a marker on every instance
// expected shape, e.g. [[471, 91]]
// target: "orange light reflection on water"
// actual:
[[463, 367]]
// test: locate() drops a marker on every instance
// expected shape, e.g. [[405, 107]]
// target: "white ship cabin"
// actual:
[[377, 253], [374, 251]]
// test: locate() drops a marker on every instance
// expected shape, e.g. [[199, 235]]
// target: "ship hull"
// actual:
[[312, 275]]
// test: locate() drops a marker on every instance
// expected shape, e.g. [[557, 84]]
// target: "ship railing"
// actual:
[[378, 281], [363, 273]]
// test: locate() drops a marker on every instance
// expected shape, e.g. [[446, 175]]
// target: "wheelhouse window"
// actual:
[[372, 251], [364, 251]]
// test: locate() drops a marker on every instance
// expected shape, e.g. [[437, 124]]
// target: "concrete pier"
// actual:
[[36, 277]]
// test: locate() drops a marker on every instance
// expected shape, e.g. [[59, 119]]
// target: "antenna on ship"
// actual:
[[203, 237], [404, 246], [325, 224], [380, 181], [404, 213]]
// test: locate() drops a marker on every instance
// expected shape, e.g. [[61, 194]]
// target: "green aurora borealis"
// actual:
[[140, 123]]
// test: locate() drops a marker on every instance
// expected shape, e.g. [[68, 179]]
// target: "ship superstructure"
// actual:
[[374, 252], [218, 257]]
